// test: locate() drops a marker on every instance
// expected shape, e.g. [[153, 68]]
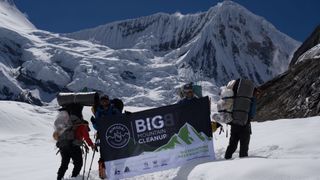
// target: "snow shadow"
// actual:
[[185, 170]]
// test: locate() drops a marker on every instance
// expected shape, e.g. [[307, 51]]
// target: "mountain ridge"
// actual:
[[38, 64], [208, 37]]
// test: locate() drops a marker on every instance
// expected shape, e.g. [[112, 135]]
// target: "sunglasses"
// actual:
[[188, 92]]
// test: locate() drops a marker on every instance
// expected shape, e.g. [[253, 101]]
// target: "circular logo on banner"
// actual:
[[117, 136]]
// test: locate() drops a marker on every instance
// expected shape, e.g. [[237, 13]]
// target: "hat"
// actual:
[[188, 87], [105, 97]]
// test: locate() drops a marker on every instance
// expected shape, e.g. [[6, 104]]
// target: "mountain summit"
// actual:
[[224, 43], [141, 60], [12, 18]]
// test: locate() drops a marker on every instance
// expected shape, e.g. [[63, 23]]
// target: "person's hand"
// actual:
[[94, 148], [86, 148], [55, 135]]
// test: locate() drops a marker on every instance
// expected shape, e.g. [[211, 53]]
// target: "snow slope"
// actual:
[[282, 149], [12, 18], [313, 53]]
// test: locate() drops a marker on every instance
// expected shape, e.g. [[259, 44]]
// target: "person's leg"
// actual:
[[102, 169], [233, 144], [65, 159], [77, 160], [244, 144]]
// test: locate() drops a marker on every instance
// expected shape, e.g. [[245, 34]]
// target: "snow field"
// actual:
[[282, 149]]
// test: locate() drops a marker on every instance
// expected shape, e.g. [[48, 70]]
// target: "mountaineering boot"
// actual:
[[102, 169]]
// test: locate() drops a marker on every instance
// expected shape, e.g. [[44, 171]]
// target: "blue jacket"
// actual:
[[253, 107], [186, 100], [100, 113]]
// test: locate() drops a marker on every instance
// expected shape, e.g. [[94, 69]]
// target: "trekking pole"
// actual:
[[91, 164], [94, 152], [85, 160]]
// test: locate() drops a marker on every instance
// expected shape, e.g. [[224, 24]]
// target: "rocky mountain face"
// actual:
[[143, 60], [295, 93]]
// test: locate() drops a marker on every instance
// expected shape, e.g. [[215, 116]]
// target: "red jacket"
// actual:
[[83, 133]]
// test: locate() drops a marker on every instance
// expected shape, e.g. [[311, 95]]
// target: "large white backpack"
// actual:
[[225, 104], [242, 101], [62, 123], [64, 129]]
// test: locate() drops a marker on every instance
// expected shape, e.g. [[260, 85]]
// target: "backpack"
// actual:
[[61, 123], [225, 105], [65, 126], [197, 89], [243, 90]]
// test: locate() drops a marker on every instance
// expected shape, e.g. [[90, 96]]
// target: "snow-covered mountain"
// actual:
[[224, 43], [12, 18], [36, 64], [141, 61]]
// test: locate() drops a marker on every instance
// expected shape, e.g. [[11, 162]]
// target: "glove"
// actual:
[[218, 125], [93, 120], [86, 148], [94, 148]]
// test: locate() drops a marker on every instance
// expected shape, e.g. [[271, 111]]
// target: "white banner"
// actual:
[[159, 161]]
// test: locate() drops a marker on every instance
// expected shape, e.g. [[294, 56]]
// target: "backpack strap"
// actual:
[[225, 111], [231, 97], [227, 130]]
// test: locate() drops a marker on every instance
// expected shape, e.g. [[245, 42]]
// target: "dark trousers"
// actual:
[[242, 134], [67, 153]]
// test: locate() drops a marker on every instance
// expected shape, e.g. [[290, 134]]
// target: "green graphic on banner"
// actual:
[[187, 135]]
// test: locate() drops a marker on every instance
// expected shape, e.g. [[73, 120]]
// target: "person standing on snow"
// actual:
[[188, 93], [104, 110], [242, 133], [72, 149]]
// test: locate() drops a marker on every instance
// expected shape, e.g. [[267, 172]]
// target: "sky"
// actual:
[[296, 18]]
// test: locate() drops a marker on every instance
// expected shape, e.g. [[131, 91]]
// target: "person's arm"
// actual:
[[96, 118], [94, 122], [93, 109], [83, 129]]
